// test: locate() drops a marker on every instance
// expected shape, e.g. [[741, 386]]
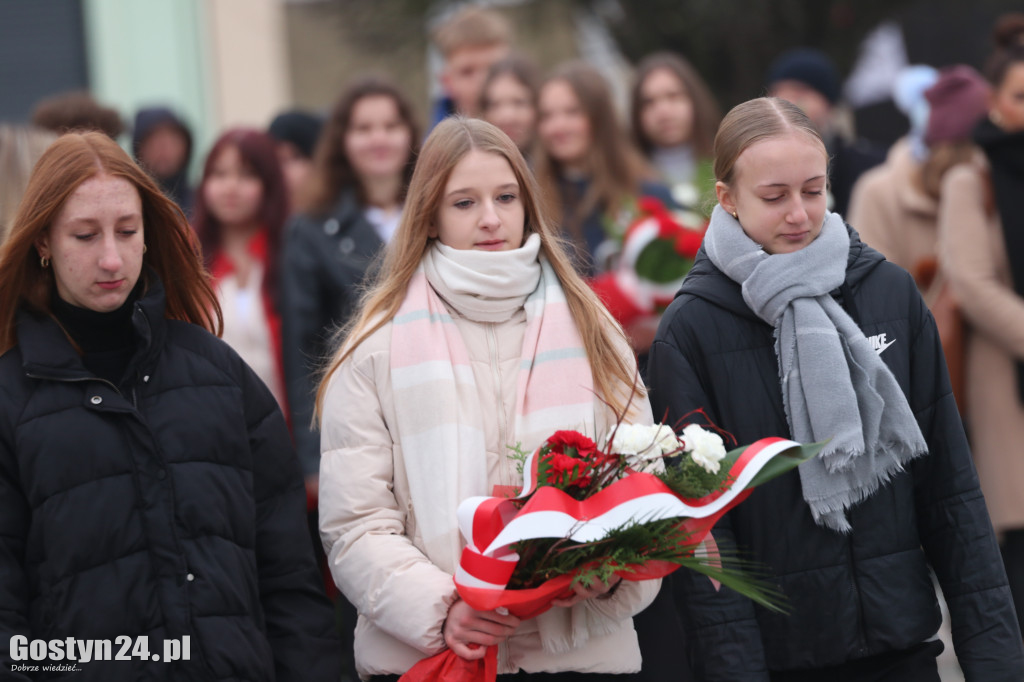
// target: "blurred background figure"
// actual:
[[596, 180], [77, 111], [908, 91], [895, 206], [295, 133], [470, 41], [20, 148], [674, 118], [809, 79], [361, 169], [508, 99], [241, 207], [162, 144], [586, 164], [981, 232], [351, 208]]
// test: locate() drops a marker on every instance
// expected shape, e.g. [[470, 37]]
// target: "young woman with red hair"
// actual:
[[148, 488]]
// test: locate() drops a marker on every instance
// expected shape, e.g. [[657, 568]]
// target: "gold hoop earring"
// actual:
[[44, 262], [735, 215], [145, 248]]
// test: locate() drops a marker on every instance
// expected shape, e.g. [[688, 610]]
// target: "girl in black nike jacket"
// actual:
[[790, 326]]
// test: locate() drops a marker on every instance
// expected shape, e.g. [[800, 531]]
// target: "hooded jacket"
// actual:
[[176, 185], [168, 506], [851, 596]]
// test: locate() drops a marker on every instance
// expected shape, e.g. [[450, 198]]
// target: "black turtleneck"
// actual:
[[107, 340]]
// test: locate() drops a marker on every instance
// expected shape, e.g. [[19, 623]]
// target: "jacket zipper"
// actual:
[[492, 348], [135, 402], [30, 375]]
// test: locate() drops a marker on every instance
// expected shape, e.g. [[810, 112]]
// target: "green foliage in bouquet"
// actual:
[[662, 263], [692, 467]]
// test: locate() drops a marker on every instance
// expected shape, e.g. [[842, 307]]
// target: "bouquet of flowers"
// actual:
[[655, 252], [587, 512]]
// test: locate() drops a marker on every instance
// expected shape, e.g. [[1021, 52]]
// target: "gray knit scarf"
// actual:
[[834, 385]]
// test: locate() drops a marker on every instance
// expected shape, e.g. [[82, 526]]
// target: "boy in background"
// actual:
[[470, 42]]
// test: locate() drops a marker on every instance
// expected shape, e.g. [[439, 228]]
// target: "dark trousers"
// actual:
[[1013, 560], [916, 664], [662, 644], [345, 613]]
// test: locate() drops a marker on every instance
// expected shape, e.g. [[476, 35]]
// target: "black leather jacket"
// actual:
[[326, 260]]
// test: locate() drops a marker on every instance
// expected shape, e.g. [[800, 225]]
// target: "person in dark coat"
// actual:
[[362, 165], [788, 325], [295, 133], [162, 144], [149, 493], [361, 169]]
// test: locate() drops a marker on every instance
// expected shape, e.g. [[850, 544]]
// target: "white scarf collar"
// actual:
[[484, 286]]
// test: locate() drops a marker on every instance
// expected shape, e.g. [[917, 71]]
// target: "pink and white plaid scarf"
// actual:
[[438, 408], [440, 413]]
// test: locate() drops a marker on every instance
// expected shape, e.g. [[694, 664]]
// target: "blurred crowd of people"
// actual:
[[292, 219]]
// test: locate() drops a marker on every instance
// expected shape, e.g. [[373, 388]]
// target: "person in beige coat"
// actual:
[[478, 336], [894, 214], [981, 227], [895, 206]]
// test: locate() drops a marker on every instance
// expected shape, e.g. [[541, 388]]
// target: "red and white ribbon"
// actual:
[[491, 525]]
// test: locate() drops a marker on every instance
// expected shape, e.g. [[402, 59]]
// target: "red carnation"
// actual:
[[565, 470], [562, 441]]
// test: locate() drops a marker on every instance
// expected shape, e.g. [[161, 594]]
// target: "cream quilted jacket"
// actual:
[[369, 529]]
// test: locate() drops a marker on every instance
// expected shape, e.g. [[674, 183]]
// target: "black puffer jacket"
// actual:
[[855, 595], [325, 265], [169, 506]]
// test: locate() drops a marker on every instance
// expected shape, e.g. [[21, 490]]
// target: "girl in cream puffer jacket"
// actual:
[[379, 557], [389, 484]]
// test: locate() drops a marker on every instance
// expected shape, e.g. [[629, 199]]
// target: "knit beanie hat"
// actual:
[[808, 66], [959, 99], [298, 127]]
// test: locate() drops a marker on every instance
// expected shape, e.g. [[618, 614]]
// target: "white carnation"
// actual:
[[706, 448], [642, 444]]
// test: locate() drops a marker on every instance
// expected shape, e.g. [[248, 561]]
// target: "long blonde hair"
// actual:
[[450, 141]]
